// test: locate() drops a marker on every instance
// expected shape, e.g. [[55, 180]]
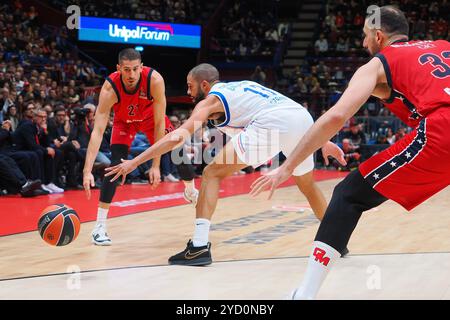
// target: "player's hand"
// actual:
[[121, 170], [270, 180], [154, 177], [331, 149], [88, 182]]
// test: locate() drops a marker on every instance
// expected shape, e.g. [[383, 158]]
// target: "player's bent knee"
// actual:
[[214, 171]]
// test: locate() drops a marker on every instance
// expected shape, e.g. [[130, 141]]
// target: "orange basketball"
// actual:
[[58, 225]]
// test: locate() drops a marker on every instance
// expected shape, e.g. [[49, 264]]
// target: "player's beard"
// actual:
[[199, 97], [374, 50]]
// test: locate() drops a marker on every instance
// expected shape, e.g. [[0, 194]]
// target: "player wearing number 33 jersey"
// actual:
[[418, 73]]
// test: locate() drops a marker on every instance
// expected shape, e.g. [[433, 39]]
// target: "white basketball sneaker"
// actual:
[[100, 237], [191, 196], [293, 296]]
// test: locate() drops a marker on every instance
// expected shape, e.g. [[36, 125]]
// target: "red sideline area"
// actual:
[[19, 214]]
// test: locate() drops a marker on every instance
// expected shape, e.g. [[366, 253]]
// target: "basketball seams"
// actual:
[[53, 221], [75, 224], [48, 210], [62, 228]]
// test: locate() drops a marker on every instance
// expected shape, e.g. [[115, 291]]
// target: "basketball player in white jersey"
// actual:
[[268, 123]]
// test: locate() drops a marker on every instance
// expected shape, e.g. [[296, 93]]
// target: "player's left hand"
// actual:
[[331, 149], [154, 177], [121, 170], [271, 180]]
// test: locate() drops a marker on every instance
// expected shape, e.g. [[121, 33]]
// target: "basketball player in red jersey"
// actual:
[[137, 95], [413, 79]]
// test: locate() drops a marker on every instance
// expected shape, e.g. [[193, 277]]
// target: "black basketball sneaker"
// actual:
[[193, 256], [344, 252]]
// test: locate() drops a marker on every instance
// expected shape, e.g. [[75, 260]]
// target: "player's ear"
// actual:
[[205, 85], [379, 36], [118, 67]]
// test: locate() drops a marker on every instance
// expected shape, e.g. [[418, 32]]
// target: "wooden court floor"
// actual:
[[259, 249]]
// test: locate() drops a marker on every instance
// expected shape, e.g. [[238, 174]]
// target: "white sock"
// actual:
[[189, 185], [102, 214], [201, 232], [320, 262]]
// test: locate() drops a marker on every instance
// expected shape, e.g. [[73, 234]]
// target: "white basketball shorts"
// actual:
[[274, 132]]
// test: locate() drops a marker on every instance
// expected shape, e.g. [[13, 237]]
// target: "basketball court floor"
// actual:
[[260, 248]]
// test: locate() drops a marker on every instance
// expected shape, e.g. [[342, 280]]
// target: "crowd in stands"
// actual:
[[318, 82], [181, 11], [247, 30], [344, 20]]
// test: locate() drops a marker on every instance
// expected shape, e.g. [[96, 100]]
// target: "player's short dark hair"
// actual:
[[205, 71], [392, 20], [129, 54]]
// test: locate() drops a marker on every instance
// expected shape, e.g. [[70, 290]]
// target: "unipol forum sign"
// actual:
[[139, 32]]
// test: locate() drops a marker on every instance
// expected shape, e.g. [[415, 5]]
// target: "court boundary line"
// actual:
[[215, 262], [173, 206]]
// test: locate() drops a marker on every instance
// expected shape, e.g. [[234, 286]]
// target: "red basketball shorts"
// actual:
[[124, 133], [417, 166]]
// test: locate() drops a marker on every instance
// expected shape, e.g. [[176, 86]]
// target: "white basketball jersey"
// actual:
[[243, 101]]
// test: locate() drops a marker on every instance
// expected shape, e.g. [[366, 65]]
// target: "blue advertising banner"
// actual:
[[139, 32]]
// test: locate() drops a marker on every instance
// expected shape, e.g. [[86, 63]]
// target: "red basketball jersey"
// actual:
[[419, 74], [135, 106]]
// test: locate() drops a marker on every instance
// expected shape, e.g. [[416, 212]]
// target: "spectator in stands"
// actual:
[[321, 45], [84, 123], [351, 155], [342, 47], [13, 180], [355, 134], [5, 102], [168, 168], [322, 68], [340, 20], [258, 76], [31, 135], [61, 133], [390, 137], [298, 90], [317, 96], [401, 132], [12, 116], [74, 98], [330, 21], [27, 161]]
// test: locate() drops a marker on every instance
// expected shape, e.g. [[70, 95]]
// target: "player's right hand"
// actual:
[[88, 182]]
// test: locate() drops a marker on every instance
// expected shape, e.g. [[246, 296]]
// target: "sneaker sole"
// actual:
[[194, 203], [196, 262], [102, 244]]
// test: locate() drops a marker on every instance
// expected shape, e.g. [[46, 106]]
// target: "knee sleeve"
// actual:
[[108, 188], [351, 197], [186, 171]]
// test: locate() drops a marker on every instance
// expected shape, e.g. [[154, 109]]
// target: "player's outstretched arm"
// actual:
[[170, 141], [358, 91], [107, 99]]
